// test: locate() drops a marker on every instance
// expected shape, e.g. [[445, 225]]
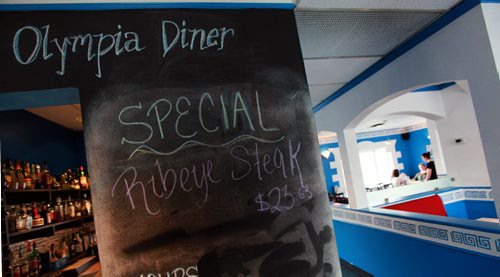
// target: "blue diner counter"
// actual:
[[387, 242]]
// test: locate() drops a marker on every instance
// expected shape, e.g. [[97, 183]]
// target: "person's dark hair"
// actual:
[[395, 173], [422, 164], [426, 155]]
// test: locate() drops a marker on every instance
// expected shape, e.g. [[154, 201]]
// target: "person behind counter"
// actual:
[[399, 179], [431, 167], [422, 175]]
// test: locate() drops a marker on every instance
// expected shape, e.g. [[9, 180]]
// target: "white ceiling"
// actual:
[[389, 122], [69, 116], [342, 38], [335, 70], [327, 75], [377, 4]]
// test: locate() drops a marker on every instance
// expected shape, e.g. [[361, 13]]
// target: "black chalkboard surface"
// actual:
[[199, 134]]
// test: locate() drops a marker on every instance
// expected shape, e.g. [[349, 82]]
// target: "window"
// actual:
[[378, 160]]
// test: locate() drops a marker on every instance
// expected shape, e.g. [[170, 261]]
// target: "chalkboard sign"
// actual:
[[199, 135]]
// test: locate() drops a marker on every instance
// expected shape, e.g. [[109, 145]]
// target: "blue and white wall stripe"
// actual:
[[483, 242], [476, 194]]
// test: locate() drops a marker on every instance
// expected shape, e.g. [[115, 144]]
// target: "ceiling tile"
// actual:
[[329, 33], [320, 92], [64, 115], [339, 70], [378, 4]]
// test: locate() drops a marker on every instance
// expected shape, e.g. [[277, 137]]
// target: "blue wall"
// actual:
[[471, 209], [27, 137], [478, 209], [386, 254], [416, 146], [411, 152], [326, 166], [456, 209]]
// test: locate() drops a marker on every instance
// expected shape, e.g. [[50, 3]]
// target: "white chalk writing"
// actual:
[[279, 199], [96, 46], [264, 163], [164, 183], [196, 38], [191, 271], [242, 115]]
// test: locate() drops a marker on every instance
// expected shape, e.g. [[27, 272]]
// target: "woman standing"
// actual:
[[431, 168]]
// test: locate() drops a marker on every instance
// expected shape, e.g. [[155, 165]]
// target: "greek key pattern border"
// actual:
[[466, 194], [467, 239]]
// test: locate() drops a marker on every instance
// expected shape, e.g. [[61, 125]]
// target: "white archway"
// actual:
[[460, 51]]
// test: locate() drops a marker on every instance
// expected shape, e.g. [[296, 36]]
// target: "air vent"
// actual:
[[333, 33], [376, 125]]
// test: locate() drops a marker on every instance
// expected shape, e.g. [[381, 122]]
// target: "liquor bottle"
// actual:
[[53, 253], [29, 218], [54, 183], [87, 205], [12, 174], [12, 218], [16, 272], [46, 176], [20, 175], [24, 266], [78, 208], [64, 249], [51, 212], [66, 210], [71, 209], [83, 179], [64, 181], [69, 175], [59, 210], [86, 242], [33, 174], [49, 215], [35, 261], [38, 177], [72, 240], [42, 210], [21, 221], [6, 178], [75, 183], [79, 243], [38, 220], [27, 176]]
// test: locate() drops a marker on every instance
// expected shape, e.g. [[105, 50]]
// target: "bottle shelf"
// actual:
[[47, 230], [42, 190], [70, 261], [15, 197]]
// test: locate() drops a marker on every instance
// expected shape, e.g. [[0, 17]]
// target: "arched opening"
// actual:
[[393, 132]]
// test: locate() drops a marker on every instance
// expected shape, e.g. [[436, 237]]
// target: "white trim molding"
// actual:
[[478, 194], [397, 131], [487, 243]]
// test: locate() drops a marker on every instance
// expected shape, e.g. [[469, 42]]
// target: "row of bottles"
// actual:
[[23, 175], [26, 259], [27, 216], [26, 262]]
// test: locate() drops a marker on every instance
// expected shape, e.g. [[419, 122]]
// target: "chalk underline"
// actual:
[[144, 149]]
